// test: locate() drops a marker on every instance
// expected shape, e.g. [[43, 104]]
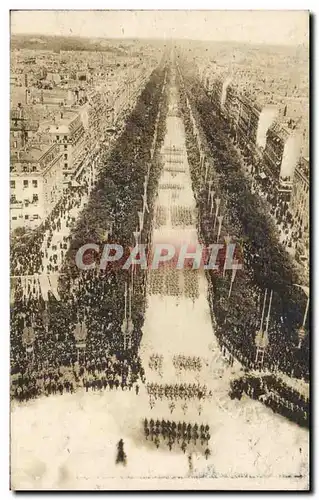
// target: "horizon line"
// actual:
[[93, 37]]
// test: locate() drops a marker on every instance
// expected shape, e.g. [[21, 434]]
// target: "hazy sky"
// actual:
[[272, 27]]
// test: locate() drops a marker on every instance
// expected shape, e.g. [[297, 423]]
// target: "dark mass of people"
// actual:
[[275, 394], [83, 336], [236, 299], [89, 335]]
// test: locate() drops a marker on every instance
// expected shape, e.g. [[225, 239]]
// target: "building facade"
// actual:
[[36, 184], [69, 133], [22, 130], [281, 154], [299, 204], [299, 208]]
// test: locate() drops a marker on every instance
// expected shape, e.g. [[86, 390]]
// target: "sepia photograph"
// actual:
[[159, 250]]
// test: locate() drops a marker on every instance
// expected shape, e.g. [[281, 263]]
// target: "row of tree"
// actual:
[[266, 264], [92, 304]]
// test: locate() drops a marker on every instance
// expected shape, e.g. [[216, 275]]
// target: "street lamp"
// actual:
[[217, 201], [28, 338], [210, 183], [227, 239], [45, 319], [80, 334], [141, 219], [302, 331], [137, 237], [261, 340], [206, 170], [233, 275], [201, 162], [212, 202], [220, 220], [127, 325], [145, 206]]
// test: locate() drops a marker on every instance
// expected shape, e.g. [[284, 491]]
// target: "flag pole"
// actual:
[[263, 311]]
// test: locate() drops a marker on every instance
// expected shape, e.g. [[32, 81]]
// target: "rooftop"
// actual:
[[62, 124], [303, 166], [30, 156], [280, 131]]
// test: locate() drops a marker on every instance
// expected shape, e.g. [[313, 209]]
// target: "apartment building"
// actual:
[[299, 208], [281, 154], [299, 204], [69, 133], [22, 129], [36, 184]]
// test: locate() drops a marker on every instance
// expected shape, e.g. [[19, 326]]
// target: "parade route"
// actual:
[[61, 441]]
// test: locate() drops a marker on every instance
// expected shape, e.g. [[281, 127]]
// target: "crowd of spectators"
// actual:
[[236, 299], [77, 341], [275, 394]]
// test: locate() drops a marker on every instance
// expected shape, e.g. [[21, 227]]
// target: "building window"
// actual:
[[26, 217], [57, 137], [12, 184], [14, 218], [35, 198], [25, 184], [35, 184], [35, 216], [65, 146], [65, 137], [66, 156], [65, 165]]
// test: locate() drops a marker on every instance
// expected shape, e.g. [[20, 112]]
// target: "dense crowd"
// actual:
[[236, 301], [288, 228], [77, 340], [276, 395], [83, 340], [35, 252]]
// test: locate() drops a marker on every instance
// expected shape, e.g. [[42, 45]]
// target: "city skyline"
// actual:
[[287, 27]]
